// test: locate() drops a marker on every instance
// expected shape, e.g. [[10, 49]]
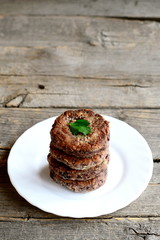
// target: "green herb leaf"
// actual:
[[80, 126], [81, 122]]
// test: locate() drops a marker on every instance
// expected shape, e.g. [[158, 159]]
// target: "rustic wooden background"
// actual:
[[57, 55]]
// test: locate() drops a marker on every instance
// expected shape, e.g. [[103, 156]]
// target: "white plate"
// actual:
[[129, 172]]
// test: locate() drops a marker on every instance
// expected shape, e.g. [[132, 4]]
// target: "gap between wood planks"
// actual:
[[88, 107], [130, 18], [59, 218]]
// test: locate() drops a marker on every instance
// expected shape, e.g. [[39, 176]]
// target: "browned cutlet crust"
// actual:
[[71, 174], [80, 145], [81, 186], [78, 163]]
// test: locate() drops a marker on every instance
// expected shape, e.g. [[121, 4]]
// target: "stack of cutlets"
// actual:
[[79, 162]]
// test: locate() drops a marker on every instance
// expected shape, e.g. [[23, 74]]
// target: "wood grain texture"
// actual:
[[107, 34], [156, 173], [3, 157], [90, 47], [113, 229], [49, 91], [13, 122], [118, 8], [79, 61]]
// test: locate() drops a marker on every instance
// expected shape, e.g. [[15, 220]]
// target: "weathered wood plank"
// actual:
[[45, 91], [84, 61], [113, 229], [3, 157], [52, 31], [13, 122], [156, 173], [121, 8], [91, 48]]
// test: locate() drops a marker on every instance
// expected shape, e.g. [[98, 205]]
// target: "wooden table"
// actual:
[[59, 55]]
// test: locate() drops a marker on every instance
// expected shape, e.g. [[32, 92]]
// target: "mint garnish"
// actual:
[[80, 126]]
